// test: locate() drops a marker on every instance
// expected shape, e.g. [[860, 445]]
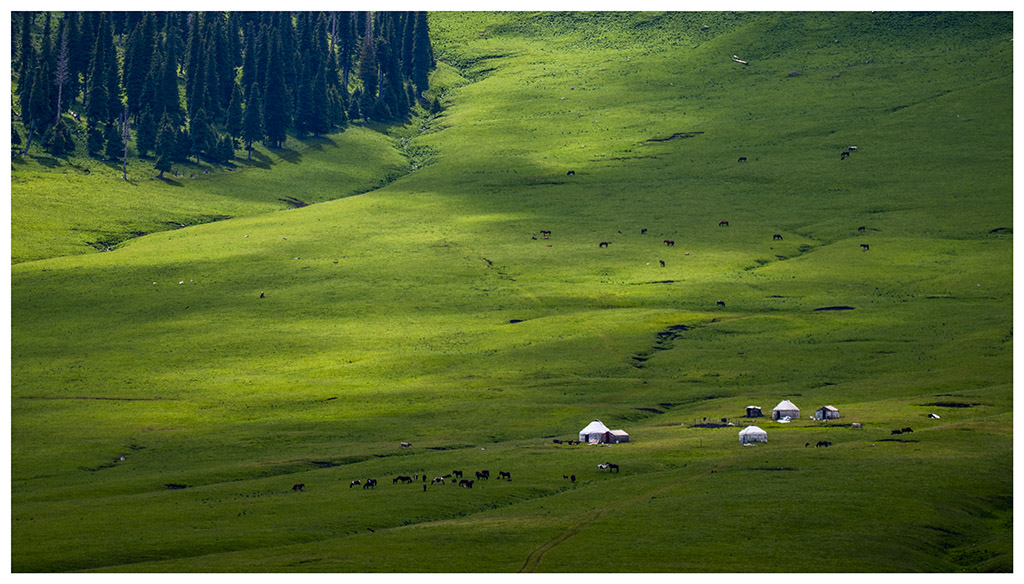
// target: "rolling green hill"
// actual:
[[434, 311]]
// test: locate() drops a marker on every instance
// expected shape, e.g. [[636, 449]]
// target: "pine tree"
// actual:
[[422, 54], [252, 121], [275, 100], [94, 138], [112, 144], [201, 135], [145, 132], [166, 145], [368, 72], [59, 141], [138, 63], [233, 120]]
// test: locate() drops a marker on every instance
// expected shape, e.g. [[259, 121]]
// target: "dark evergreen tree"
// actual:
[[145, 132], [368, 72], [59, 141], [422, 54], [249, 58], [15, 136], [233, 118], [252, 121], [94, 138], [225, 149], [201, 134], [112, 145], [275, 100], [166, 145], [26, 54], [138, 59]]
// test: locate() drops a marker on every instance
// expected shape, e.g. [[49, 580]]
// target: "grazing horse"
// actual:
[[504, 475], [603, 244], [354, 483], [908, 430], [742, 159], [570, 173], [298, 486], [669, 242], [662, 263], [865, 246], [862, 228], [403, 478], [466, 484], [483, 474], [612, 466], [843, 155], [370, 483], [824, 443], [457, 473], [777, 237], [723, 223]]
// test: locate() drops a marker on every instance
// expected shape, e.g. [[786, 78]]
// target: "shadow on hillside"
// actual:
[[317, 142], [47, 161], [169, 181], [258, 160], [288, 155]]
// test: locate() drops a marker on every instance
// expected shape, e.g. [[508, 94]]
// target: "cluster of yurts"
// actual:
[[784, 412]]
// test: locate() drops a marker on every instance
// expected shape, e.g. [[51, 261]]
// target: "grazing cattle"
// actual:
[[572, 478], [504, 475], [557, 441], [662, 263], [806, 444], [483, 474], [603, 244], [405, 445], [602, 466], [723, 223], [843, 155], [370, 483], [857, 425], [565, 477], [824, 443], [669, 242], [742, 159], [612, 466], [862, 228], [853, 148], [424, 487], [570, 173], [466, 484], [403, 478], [298, 486], [457, 473], [720, 303], [866, 247], [777, 237], [908, 430], [643, 231], [934, 416], [897, 432], [545, 232], [354, 483]]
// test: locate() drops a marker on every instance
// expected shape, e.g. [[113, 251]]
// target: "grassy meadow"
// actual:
[[418, 301]]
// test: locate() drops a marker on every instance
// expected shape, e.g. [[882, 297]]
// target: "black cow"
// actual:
[[862, 228], [603, 244], [570, 173], [403, 478], [723, 223], [557, 441], [824, 443], [370, 483], [777, 237], [908, 430], [843, 155], [866, 247], [643, 231], [298, 486], [457, 473], [742, 159], [612, 466], [466, 484], [572, 478], [720, 303], [669, 242], [545, 232], [504, 475], [662, 263], [353, 484], [483, 474], [897, 432]]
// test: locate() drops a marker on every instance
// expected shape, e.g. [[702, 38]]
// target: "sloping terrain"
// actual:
[[488, 304]]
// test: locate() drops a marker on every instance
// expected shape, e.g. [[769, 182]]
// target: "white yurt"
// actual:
[[785, 409], [753, 434], [826, 413], [594, 432]]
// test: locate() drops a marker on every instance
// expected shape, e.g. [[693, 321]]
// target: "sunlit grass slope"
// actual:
[[434, 311]]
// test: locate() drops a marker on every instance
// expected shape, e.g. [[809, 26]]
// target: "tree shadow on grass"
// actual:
[[258, 160], [288, 155], [169, 181], [47, 161], [317, 142]]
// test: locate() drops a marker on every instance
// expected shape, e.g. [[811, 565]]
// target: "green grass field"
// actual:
[[432, 311]]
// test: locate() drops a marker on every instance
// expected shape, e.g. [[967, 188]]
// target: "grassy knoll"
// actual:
[[433, 311]]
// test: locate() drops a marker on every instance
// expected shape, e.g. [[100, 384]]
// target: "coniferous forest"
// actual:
[[173, 86]]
